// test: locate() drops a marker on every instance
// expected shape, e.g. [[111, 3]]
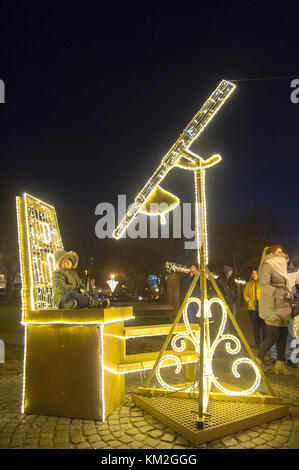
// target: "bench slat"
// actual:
[[155, 330], [139, 362]]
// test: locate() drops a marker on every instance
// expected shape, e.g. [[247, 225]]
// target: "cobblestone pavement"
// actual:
[[129, 427]]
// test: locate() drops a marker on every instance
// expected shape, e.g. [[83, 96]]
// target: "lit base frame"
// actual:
[[226, 415]]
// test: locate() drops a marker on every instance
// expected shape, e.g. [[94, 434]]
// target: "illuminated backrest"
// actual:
[[39, 238]]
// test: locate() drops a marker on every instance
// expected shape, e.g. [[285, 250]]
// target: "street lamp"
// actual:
[[112, 283]]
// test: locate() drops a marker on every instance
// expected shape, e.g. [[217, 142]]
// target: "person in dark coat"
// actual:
[[185, 285], [227, 285]]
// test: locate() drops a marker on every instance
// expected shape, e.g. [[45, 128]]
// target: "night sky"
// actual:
[[96, 95]]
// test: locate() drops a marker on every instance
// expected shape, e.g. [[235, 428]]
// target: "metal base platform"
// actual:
[[226, 417]]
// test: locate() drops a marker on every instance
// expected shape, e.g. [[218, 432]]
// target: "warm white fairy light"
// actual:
[[194, 337], [243, 360], [174, 155], [177, 371], [143, 368], [102, 375], [24, 371], [85, 322]]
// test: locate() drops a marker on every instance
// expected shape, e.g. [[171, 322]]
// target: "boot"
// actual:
[[70, 304], [280, 368], [99, 303]]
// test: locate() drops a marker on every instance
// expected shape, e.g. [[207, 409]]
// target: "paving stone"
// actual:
[[150, 442], [31, 441], [107, 437], [267, 437], [60, 434], [46, 435], [46, 443], [258, 441], [114, 444], [61, 427], [151, 419], [274, 426], [284, 433], [181, 441], [286, 428], [272, 431], [264, 446], [83, 445], [17, 443], [248, 445], [133, 431], [156, 433], [140, 437], [113, 428], [243, 437], [139, 424], [253, 434], [94, 438], [99, 445], [164, 445], [118, 434], [167, 437], [146, 428], [136, 445], [136, 413], [126, 439], [216, 444], [278, 442], [138, 419], [124, 420], [77, 439], [229, 441], [49, 428], [113, 422]]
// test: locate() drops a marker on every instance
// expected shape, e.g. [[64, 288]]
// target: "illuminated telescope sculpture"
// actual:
[[178, 155]]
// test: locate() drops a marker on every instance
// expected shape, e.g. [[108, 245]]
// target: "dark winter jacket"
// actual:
[[65, 280], [185, 285], [228, 288]]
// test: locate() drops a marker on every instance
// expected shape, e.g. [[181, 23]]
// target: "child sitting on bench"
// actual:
[[68, 289]]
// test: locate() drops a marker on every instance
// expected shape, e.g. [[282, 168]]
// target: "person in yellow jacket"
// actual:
[[251, 294]]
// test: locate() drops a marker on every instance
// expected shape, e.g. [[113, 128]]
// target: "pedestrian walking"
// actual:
[[251, 294], [293, 275], [274, 307]]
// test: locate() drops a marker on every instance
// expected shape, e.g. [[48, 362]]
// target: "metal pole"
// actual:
[[202, 258]]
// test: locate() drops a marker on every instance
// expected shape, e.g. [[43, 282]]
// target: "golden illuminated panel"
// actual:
[[39, 238]]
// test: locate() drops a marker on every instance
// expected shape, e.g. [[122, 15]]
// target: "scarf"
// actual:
[[279, 264]]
